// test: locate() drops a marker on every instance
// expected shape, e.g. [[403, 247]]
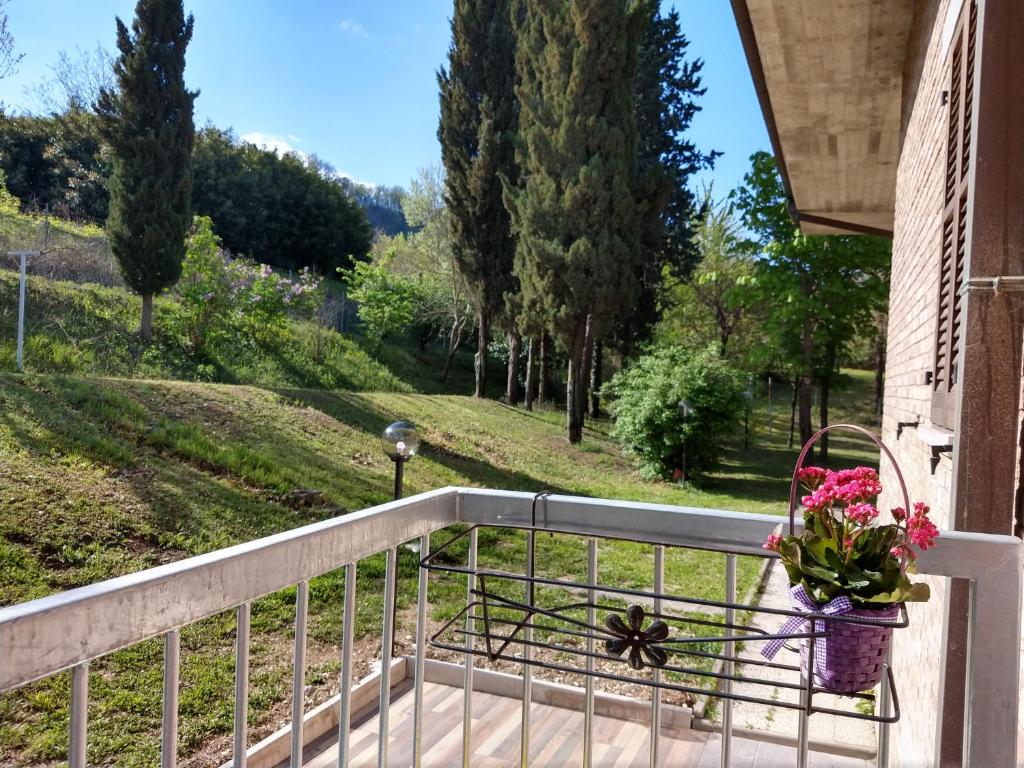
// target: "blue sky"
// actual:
[[353, 81]]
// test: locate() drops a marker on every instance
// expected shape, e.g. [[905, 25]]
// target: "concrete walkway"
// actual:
[[842, 731]]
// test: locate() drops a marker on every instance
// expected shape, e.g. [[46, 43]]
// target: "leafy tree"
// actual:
[[646, 399], [476, 131], [426, 256], [77, 81], [724, 277], [575, 211], [58, 162], [148, 124], [819, 293], [285, 211], [9, 58], [386, 300]]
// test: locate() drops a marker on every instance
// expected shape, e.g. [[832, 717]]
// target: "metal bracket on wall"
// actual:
[[901, 425], [936, 450]]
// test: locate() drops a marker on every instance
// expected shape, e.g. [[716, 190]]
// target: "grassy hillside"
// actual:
[[100, 477], [90, 330]]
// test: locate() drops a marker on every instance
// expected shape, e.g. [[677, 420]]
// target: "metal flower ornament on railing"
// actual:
[[634, 638]]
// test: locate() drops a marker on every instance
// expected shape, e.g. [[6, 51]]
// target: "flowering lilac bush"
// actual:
[[843, 549], [223, 299]]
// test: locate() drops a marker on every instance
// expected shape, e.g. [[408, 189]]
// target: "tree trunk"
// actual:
[[588, 356], [544, 374], [146, 321], [454, 342], [575, 383], [792, 411], [480, 361], [531, 372], [595, 381], [825, 385], [515, 342], [805, 390]]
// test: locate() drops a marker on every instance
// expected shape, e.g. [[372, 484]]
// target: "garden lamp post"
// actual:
[[400, 442], [749, 397], [685, 409]]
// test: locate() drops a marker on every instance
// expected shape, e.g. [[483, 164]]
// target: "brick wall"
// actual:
[[913, 300]]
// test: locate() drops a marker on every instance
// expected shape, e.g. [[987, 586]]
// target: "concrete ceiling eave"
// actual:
[[829, 78]]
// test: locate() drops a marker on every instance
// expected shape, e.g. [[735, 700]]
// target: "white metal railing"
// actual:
[[69, 630]]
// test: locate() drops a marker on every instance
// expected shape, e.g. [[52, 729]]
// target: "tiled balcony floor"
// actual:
[[557, 738]]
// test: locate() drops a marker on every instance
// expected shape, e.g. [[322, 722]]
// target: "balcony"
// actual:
[[483, 705]]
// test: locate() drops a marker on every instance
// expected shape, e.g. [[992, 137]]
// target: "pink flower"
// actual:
[[862, 513], [898, 513], [920, 529], [900, 549], [819, 499], [772, 543], [812, 477]]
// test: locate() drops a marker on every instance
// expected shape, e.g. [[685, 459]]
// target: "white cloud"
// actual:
[[353, 28], [273, 143], [282, 146]]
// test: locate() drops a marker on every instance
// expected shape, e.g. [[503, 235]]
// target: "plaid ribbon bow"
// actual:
[[837, 606]]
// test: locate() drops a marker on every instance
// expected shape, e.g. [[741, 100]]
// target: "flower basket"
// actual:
[[848, 575]]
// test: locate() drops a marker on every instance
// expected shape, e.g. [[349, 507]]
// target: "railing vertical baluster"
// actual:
[[659, 588], [884, 704], [79, 714], [241, 736], [802, 726], [421, 641], [387, 642], [467, 681], [169, 720], [524, 732], [348, 624], [588, 715], [299, 672], [730, 667]]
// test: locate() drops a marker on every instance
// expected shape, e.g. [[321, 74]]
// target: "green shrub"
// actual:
[[386, 300], [649, 419], [224, 300]]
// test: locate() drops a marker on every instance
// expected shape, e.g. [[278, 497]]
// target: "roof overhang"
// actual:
[[829, 78]]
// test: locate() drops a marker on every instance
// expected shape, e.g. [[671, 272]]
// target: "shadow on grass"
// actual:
[[357, 411]]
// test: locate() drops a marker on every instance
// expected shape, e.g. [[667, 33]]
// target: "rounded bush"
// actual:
[[647, 402]]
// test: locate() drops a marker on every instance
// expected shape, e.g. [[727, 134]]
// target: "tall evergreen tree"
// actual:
[[476, 130], [148, 123], [576, 214], [668, 89]]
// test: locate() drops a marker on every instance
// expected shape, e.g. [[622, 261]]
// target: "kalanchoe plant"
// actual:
[[843, 549]]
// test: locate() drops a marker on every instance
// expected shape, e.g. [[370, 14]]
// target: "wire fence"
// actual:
[[60, 253]]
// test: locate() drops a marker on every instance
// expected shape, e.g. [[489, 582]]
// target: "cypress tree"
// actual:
[[476, 131], [148, 123], [668, 89], [576, 214]]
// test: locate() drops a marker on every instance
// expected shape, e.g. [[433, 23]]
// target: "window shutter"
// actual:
[[945, 372]]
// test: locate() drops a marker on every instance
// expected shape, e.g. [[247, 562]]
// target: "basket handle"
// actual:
[[795, 482]]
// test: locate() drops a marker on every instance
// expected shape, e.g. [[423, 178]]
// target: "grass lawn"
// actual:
[[103, 476]]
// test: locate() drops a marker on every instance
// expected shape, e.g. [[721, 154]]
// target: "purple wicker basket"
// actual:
[[850, 657]]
